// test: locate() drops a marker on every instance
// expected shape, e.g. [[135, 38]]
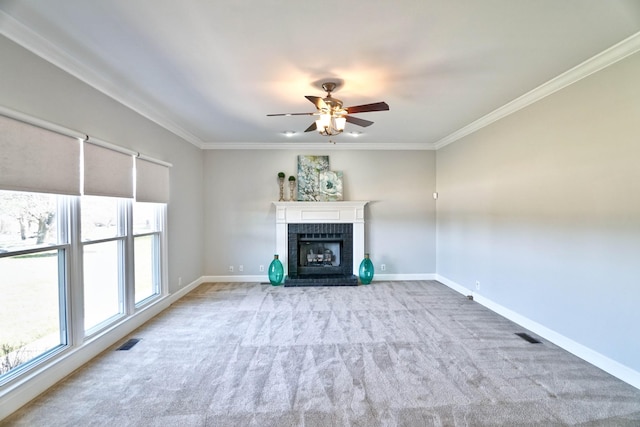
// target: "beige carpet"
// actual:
[[387, 354]]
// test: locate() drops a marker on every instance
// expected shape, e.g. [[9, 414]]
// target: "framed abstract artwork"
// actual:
[[330, 186], [316, 182]]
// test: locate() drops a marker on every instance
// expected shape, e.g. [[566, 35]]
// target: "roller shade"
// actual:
[[152, 182], [107, 172], [38, 160]]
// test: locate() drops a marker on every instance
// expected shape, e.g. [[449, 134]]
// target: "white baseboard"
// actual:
[[611, 366], [453, 285], [237, 279], [380, 277], [185, 290], [264, 278], [26, 388]]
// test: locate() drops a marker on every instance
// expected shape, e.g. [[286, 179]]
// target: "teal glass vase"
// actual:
[[276, 271], [366, 270]]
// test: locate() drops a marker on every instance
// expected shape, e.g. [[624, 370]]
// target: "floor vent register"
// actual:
[[127, 345], [528, 338]]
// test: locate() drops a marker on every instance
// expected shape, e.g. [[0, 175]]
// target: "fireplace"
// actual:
[[320, 243], [320, 254]]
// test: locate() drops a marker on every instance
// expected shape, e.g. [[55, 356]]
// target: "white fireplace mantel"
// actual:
[[320, 212]]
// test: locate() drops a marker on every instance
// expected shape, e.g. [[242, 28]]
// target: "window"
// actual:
[[102, 282], [33, 264], [77, 253], [147, 223], [105, 236], [103, 246], [35, 253]]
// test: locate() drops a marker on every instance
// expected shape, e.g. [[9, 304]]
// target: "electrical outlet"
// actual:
[[179, 282], [262, 268], [241, 268], [383, 267], [231, 269], [477, 285]]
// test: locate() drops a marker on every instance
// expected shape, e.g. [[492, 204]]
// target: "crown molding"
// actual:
[[608, 57], [316, 145], [27, 38], [32, 41]]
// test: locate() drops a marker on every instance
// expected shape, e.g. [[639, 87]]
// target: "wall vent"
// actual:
[[528, 338], [127, 345]]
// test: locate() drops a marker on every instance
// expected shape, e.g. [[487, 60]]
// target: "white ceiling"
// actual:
[[210, 71]]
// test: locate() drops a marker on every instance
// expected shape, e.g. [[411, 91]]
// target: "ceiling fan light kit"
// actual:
[[330, 124], [332, 117]]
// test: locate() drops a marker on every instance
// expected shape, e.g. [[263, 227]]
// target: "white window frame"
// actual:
[[160, 275], [121, 239], [64, 247]]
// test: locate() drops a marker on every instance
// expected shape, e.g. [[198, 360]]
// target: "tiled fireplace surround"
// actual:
[[310, 217]]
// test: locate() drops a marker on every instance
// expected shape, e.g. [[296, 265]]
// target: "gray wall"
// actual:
[[543, 208], [240, 186], [34, 86]]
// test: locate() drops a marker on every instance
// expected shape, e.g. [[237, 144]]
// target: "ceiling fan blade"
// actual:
[[311, 128], [376, 106], [357, 121], [317, 101], [291, 114]]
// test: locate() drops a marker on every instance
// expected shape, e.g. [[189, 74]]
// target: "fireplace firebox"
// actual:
[[320, 254]]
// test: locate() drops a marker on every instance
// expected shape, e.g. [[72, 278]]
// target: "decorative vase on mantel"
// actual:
[[366, 270], [292, 186], [281, 182], [276, 271]]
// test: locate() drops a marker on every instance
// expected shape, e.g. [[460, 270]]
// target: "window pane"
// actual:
[[145, 217], [146, 270], [101, 282], [100, 218], [27, 220], [30, 317]]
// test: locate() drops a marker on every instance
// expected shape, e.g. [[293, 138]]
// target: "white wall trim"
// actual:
[[185, 290], [379, 277], [27, 38], [32, 41], [339, 145], [453, 285], [617, 52], [26, 388], [265, 279], [614, 368], [237, 279]]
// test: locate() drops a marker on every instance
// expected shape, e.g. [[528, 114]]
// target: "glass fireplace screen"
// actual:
[[319, 254]]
